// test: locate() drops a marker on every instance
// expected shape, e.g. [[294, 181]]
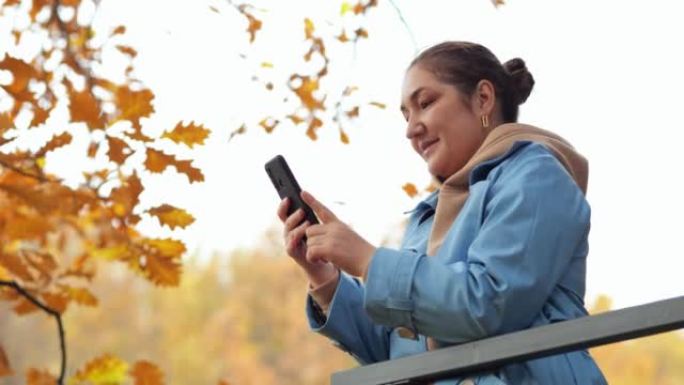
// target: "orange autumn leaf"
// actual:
[[56, 301], [171, 216], [22, 73], [342, 37], [118, 150], [361, 33], [167, 247], [5, 369], [241, 130], [57, 141], [295, 119], [16, 266], [353, 113], [127, 50], [308, 28], [80, 295], [119, 30], [343, 137], [25, 307], [104, 370], [158, 161], [126, 196], [410, 189], [6, 121], [92, 149], [83, 107], [134, 105], [40, 115], [39, 377], [268, 124], [314, 124], [189, 135], [162, 270], [305, 91], [146, 373], [254, 23], [498, 3]]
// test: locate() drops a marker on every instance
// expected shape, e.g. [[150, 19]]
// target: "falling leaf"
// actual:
[[266, 64], [269, 124], [305, 91], [5, 369], [146, 373], [57, 141], [241, 130], [118, 150], [254, 23], [295, 119], [103, 370], [189, 135], [119, 30], [498, 3], [342, 37], [39, 377], [353, 113], [361, 33], [343, 137], [313, 126], [308, 28], [359, 8], [171, 216], [378, 104], [269, 86], [127, 50], [158, 161], [410, 189], [346, 7], [214, 9]]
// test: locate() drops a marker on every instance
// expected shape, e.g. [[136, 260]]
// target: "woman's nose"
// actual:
[[414, 128]]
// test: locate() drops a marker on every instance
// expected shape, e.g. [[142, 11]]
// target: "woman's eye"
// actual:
[[425, 104]]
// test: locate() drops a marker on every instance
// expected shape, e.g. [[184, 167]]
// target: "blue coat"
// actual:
[[514, 258]]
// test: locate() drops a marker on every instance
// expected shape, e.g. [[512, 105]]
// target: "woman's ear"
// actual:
[[484, 98]]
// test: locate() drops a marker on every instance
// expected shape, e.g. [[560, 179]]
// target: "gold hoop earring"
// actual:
[[485, 121]]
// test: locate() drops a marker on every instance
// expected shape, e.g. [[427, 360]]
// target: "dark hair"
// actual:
[[463, 64]]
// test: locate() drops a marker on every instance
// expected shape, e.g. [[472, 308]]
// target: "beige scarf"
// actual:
[[454, 191]]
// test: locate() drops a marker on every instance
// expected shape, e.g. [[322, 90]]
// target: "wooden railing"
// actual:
[[491, 353]]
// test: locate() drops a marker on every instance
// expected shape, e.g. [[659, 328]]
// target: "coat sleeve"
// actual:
[[348, 325], [535, 218]]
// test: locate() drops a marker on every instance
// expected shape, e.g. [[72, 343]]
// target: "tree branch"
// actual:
[[62, 345]]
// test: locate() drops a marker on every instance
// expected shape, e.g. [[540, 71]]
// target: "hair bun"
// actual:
[[521, 79]]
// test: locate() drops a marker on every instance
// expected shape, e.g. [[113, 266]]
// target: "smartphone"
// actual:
[[285, 183]]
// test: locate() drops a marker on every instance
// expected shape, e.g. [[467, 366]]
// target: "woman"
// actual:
[[500, 246]]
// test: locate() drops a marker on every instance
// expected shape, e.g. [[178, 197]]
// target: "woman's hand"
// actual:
[[319, 271], [335, 242]]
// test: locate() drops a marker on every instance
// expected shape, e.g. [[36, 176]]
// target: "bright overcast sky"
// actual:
[[608, 78]]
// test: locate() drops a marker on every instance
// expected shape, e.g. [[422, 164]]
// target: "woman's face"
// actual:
[[441, 127]]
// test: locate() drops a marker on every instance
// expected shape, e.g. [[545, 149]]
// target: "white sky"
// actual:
[[608, 78]]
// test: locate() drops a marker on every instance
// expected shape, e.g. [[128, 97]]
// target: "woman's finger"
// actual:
[[282, 209], [324, 213], [295, 237], [294, 220]]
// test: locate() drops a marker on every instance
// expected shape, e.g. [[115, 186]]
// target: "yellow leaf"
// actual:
[[410, 189], [118, 150], [267, 64], [57, 141], [305, 91], [39, 377], [158, 161], [167, 247], [295, 119], [308, 28], [5, 369], [104, 370], [25, 306], [343, 137], [171, 216], [382, 106], [80, 295], [346, 7], [134, 105], [111, 253], [147, 373], [189, 135], [268, 124]]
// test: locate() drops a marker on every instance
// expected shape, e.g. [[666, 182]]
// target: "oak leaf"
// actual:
[[134, 105], [39, 377], [305, 91], [269, 124], [80, 295], [55, 301], [353, 113], [103, 370], [6, 122], [189, 135], [126, 196], [25, 306], [314, 124], [167, 247], [22, 73], [118, 150], [16, 265], [343, 137], [57, 141], [162, 270], [158, 161], [83, 107], [171, 216], [147, 373]]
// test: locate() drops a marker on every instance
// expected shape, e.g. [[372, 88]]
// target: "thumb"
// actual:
[[321, 211]]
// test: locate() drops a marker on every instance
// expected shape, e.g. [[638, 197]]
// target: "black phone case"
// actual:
[[285, 183]]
